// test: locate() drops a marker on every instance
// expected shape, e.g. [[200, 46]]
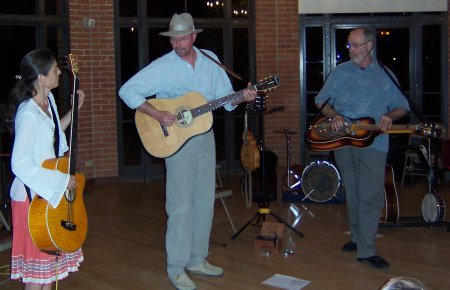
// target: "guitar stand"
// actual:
[[260, 214], [413, 221], [264, 203]]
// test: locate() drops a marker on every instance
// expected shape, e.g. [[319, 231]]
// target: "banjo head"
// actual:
[[433, 208]]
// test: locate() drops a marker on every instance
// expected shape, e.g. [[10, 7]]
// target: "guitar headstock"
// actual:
[[259, 104], [432, 130], [71, 65], [267, 84]]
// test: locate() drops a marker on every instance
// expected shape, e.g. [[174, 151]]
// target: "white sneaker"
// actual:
[[206, 269], [182, 282]]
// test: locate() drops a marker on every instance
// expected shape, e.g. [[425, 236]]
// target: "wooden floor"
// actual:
[[124, 248]]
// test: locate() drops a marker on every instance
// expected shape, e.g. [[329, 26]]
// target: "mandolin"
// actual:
[[249, 149], [63, 228]]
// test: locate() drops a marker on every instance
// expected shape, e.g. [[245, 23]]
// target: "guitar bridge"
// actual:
[[164, 130], [68, 225]]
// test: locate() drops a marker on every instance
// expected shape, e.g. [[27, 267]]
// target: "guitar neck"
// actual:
[[264, 85], [395, 129], [74, 127], [208, 107], [245, 133]]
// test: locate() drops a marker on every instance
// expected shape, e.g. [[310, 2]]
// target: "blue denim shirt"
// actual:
[[357, 93]]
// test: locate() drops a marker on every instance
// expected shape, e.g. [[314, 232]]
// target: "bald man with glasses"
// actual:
[[356, 89]]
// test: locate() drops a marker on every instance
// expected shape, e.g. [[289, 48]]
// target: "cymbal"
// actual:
[[285, 131]]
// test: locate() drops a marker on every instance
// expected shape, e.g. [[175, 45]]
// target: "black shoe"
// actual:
[[375, 261], [349, 247]]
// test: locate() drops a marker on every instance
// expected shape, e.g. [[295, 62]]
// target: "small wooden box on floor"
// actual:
[[270, 239]]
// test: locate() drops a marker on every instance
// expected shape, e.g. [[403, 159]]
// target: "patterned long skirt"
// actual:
[[30, 264]]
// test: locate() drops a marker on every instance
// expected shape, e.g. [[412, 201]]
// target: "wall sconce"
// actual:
[[88, 22]]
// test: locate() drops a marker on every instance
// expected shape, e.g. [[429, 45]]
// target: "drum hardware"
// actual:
[[307, 209], [286, 131], [307, 194], [320, 181], [292, 177]]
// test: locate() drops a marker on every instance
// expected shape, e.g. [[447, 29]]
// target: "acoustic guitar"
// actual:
[[194, 117], [361, 133], [63, 228], [391, 210]]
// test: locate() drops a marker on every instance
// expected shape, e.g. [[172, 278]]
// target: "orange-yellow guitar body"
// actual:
[[63, 228]]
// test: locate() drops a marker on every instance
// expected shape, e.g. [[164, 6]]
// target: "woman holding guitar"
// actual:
[[39, 136]]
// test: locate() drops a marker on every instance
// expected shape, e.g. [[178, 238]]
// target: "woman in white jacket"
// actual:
[[35, 114]]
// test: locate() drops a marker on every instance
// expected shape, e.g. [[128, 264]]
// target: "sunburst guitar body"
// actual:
[[63, 228], [361, 133]]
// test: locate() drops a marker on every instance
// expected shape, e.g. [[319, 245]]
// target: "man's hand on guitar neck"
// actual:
[[249, 95], [385, 123], [337, 121], [386, 120]]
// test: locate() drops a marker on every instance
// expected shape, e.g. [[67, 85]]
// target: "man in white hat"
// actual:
[[190, 172]]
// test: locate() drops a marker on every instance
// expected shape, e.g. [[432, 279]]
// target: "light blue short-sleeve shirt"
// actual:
[[356, 93], [170, 77]]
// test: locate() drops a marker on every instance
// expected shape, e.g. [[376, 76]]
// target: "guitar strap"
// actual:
[[411, 104], [222, 66], [28, 192], [56, 132], [55, 143]]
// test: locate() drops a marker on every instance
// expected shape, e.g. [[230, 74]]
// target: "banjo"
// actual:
[[433, 205]]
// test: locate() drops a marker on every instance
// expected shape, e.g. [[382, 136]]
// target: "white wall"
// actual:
[[369, 6]]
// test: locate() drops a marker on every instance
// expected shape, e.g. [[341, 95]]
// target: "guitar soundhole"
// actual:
[[184, 117]]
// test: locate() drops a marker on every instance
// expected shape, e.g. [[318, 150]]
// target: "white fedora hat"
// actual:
[[181, 24]]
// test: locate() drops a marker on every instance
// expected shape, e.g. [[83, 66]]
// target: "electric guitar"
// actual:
[[63, 228], [194, 117], [360, 133], [391, 210]]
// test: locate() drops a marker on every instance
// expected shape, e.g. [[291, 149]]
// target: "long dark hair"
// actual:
[[35, 62]]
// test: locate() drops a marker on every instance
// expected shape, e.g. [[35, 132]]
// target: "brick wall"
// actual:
[[94, 48], [277, 52]]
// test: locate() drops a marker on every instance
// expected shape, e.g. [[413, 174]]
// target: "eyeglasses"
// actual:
[[354, 45]]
